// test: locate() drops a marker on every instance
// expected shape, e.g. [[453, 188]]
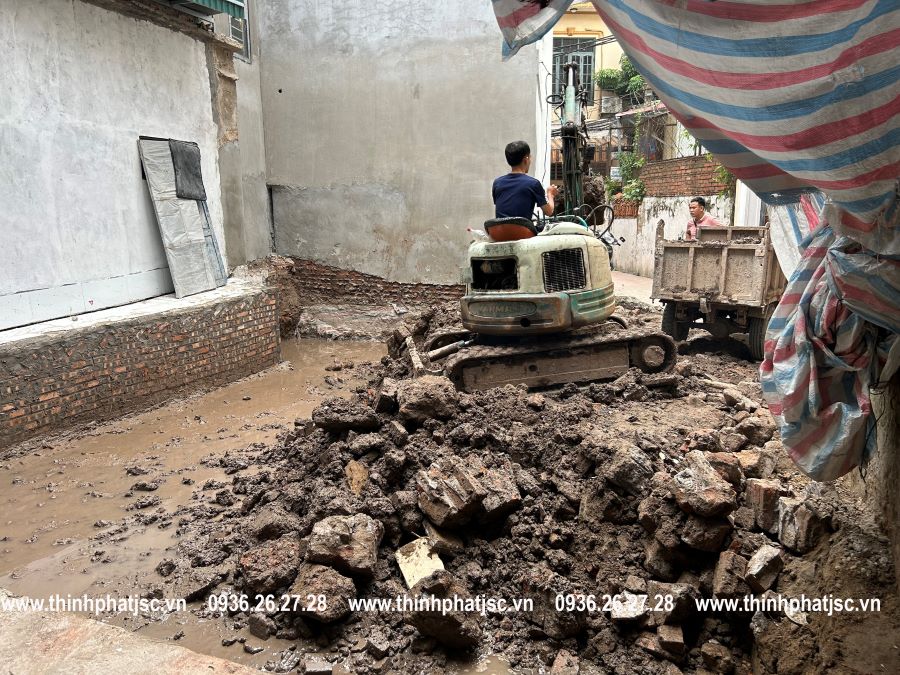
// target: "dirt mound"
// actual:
[[608, 509]]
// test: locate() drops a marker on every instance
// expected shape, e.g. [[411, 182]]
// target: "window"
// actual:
[[577, 50], [239, 30]]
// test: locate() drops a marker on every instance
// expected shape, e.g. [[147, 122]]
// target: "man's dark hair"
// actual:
[[700, 200], [516, 152]]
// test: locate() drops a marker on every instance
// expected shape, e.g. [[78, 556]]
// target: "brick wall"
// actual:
[[688, 176], [100, 373]]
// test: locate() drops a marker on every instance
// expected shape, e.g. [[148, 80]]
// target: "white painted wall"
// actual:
[[636, 254], [385, 124], [80, 84]]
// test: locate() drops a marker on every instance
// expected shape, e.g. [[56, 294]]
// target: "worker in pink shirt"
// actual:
[[699, 218]]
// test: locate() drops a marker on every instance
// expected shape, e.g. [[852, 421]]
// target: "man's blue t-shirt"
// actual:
[[516, 195]]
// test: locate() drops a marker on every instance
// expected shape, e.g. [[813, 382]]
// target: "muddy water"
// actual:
[[53, 500]]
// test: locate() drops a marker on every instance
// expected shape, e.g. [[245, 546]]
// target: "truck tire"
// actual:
[[757, 336], [678, 330]]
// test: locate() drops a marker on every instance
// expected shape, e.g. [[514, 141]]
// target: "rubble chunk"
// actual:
[[449, 494], [339, 414], [502, 496], [630, 607], [727, 466], [347, 543], [366, 443], [732, 442], [386, 400], [671, 638], [799, 526], [271, 522], [427, 397], [357, 476], [758, 430], [756, 463], [565, 663], [762, 495], [315, 582], [699, 489], [272, 565], [397, 433], [705, 534], [417, 560], [728, 578], [454, 629], [659, 562], [717, 657], [261, 626], [445, 543], [629, 469], [763, 568]]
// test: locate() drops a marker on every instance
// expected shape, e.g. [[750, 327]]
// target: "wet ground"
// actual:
[[64, 499]]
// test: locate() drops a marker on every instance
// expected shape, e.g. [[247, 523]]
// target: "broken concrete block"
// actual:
[[449, 493], [427, 397], [762, 495], [271, 521], [357, 476], [502, 496], [565, 663], [699, 489], [339, 414], [705, 440], [386, 399], [629, 607], [442, 542], [763, 568], [671, 638], [728, 578], [536, 401], [397, 433], [635, 584], [406, 507], [649, 642], [366, 443], [323, 593], [660, 562], [261, 626], [417, 560], [454, 629], [743, 517], [347, 543], [756, 463], [717, 657], [733, 442], [727, 466], [705, 534], [272, 565], [758, 430], [673, 603], [599, 503], [629, 469], [799, 526]]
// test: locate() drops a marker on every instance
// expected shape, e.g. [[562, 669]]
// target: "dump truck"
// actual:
[[726, 281]]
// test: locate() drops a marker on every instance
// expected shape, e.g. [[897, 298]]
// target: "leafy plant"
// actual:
[[635, 87], [613, 187], [724, 176], [607, 78], [630, 164], [634, 190]]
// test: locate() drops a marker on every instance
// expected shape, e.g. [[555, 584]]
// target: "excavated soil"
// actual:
[[582, 492], [594, 471]]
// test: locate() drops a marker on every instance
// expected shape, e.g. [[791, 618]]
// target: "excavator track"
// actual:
[[577, 357]]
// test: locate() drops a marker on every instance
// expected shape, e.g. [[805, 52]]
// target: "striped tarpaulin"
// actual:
[[793, 97]]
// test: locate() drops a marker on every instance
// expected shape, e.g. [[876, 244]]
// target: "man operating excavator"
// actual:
[[516, 193]]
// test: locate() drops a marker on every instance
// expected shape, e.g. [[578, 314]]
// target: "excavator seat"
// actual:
[[509, 229]]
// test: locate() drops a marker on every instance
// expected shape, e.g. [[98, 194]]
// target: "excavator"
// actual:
[[539, 303]]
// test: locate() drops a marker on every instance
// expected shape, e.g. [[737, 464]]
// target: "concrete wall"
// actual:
[[82, 83], [385, 124], [636, 254]]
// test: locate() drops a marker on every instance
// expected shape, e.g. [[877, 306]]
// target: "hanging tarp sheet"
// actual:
[[525, 21], [790, 224], [190, 244], [794, 97]]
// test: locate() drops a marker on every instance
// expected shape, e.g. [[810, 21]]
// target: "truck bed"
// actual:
[[729, 265]]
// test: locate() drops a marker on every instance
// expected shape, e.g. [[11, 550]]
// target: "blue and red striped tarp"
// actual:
[[793, 97]]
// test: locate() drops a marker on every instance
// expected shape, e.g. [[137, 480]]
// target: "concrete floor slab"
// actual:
[[57, 642]]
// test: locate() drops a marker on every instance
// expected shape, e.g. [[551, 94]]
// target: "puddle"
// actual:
[[51, 499]]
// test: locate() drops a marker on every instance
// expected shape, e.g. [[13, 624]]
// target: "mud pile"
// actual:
[[612, 508]]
